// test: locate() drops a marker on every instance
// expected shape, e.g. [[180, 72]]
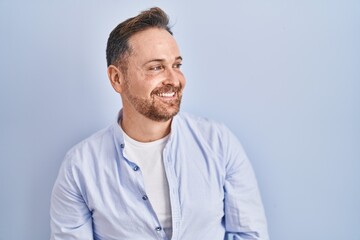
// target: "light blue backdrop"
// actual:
[[283, 75]]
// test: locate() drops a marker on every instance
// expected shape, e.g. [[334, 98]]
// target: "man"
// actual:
[[155, 174]]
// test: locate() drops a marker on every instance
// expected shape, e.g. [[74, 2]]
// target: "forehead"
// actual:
[[154, 43]]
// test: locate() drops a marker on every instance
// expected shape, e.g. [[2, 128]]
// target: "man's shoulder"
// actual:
[[211, 135], [185, 117], [200, 125], [94, 143]]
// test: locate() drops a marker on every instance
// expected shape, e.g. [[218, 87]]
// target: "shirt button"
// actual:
[[136, 168], [145, 197], [158, 229], [122, 145]]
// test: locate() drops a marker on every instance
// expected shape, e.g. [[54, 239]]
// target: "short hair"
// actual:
[[118, 48]]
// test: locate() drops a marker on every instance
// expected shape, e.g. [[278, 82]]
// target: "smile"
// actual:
[[168, 94]]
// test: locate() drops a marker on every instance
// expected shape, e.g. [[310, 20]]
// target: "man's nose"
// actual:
[[171, 77]]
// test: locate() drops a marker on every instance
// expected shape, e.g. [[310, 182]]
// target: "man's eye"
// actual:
[[178, 65], [156, 68]]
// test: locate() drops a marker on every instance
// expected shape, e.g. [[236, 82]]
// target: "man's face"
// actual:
[[153, 80]]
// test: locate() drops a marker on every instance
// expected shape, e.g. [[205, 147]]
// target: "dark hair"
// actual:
[[118, 49]]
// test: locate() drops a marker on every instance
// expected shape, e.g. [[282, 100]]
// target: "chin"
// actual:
[[162, 116]]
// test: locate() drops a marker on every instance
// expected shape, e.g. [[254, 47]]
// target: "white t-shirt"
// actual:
[[148, 156]]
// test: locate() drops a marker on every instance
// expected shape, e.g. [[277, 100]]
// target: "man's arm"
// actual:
[[70, 216], [244, 213]]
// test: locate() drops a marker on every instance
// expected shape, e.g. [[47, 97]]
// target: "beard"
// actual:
[[153, 107]]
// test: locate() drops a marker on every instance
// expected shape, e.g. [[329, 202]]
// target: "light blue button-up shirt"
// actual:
[[99, 194]]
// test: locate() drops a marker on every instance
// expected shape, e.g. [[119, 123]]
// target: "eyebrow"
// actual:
[[162, 60]]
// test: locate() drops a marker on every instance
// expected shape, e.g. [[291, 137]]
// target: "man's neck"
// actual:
[[143, 129]]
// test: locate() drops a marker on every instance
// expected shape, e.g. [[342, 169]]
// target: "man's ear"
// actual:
[[116, 78]]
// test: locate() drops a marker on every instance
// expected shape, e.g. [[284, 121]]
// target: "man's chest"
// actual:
[[121, 209]]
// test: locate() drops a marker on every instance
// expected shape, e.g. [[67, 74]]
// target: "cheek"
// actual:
[[141, 85], [143, 89]]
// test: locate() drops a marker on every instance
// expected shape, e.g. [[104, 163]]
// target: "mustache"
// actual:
[[167, 88]]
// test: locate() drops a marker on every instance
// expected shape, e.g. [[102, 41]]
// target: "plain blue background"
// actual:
[[283, 75]]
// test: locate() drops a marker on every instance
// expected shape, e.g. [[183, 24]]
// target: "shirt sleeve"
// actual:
[[244, 213], [70, 217]]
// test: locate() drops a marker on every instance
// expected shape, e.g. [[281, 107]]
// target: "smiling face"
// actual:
[[153, 82]]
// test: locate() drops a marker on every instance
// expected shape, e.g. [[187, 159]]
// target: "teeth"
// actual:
[[171, 94]]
